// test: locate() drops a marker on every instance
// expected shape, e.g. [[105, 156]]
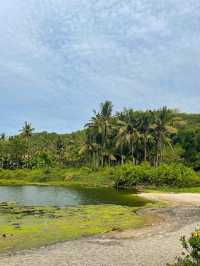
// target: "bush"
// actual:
[[176, 175], [191, 256]]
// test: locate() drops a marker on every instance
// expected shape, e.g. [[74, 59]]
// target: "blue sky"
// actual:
[[60, 58]]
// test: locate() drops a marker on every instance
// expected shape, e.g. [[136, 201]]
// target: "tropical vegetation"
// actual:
[[160, 143]]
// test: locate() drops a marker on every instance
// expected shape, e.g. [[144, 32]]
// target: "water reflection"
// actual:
[[62, 196]]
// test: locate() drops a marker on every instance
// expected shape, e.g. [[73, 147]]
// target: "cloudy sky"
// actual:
[[60, 58]]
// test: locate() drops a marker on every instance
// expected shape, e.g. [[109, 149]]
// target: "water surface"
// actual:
[[62, 196]]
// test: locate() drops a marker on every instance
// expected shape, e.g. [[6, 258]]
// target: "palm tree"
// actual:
[[90, 152], [145, 127], [121, 141], [27, 130], [106, 109], [3, 136], [26, 133], [100, 127], [134, 137], [162, 129], [105, 116], [122, 138], [60, 148], [127, 135], [94, 135]]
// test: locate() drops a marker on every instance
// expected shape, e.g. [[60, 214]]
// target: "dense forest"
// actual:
[[109, 138]]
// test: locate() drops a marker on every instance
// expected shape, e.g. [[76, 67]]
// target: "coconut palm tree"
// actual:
[[162, 129], [60, 148], [100, 127], [121, 141], [27, 130], [26, 133], [127, 135], [145, 123], [94, 135], [3, 137]]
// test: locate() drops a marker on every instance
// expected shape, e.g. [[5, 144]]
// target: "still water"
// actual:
[[62, 196]]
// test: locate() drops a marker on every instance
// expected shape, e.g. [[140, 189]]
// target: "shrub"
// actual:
[[177, 175], [191, 256]]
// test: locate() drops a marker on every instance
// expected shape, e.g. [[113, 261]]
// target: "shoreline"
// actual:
[[159, 238], [160, 241]]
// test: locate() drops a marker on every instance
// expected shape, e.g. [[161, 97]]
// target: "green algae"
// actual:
[[32, 227]]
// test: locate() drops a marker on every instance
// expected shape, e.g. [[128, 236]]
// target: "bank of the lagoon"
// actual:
[[69, 213], [57, 176], [128, 175], [76, 192]]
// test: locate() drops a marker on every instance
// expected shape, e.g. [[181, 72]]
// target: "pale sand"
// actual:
[[185, 198]]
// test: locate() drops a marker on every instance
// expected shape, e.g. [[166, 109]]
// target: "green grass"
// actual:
[[84, 177], [24, 228], [54, 176], [166, 177]]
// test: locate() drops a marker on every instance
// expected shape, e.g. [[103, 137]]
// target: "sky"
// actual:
[[60, 58]]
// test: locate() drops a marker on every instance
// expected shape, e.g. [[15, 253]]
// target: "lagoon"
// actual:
[[68, 196]]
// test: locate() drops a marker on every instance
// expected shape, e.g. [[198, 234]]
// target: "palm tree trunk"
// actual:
[[102, 159], [122, 157], [158, 151], [132, 153], [145, 149]]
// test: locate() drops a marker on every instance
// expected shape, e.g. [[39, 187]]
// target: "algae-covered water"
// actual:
[[34, 216], [67, 196]]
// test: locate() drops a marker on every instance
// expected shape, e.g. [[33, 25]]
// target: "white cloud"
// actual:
[[72, 54]]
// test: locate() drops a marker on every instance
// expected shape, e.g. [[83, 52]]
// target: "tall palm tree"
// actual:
[[100, 127], [121, 141], [26, 132], [94, 135], [145, 123], [87, 150], [60, 148], [106, 116], [106, 109], [127, 135], [162, 129], [3, 136]]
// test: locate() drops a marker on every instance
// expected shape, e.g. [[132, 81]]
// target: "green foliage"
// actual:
[[191, 256], [128, 136], [190, 140], [109, 139], [57, 176], [174, 174]]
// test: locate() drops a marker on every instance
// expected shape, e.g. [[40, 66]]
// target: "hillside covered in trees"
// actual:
[[127, 136]]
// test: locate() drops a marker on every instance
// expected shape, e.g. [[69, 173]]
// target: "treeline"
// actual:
[[152, 136], [37, 150], [108, 139]]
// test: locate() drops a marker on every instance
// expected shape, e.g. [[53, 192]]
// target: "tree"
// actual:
[[60, 148], [27, 130], [161, 129], [145, 128], [26, 133], [128, 136], [99, 128], [3, 137]]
